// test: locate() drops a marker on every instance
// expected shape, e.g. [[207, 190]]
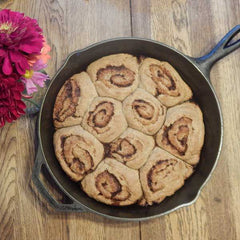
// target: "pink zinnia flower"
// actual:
[[33, 77], [20, 37]]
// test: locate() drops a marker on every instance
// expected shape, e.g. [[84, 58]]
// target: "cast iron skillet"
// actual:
[[195, 71]]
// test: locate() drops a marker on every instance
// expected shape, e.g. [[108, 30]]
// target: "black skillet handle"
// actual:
[[222, 49], [71, 207]]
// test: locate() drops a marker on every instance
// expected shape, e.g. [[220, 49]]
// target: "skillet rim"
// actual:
[[194, 64]]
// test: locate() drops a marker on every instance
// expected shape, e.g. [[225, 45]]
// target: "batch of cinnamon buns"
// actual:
[[126, 130]]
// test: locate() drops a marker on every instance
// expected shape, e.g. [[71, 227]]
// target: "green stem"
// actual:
[[31, 101]]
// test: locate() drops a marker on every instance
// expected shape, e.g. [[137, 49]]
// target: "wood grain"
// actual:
[[192, 27], [68, 25], [5, 3]]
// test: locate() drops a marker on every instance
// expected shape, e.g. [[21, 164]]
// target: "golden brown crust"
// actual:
[[110, 146], [132, 148], [104, 119], [77, 151], [162, 176], [144, 112], [72, 100], [183, 132], [163, 81], [113, 183], [115, 75]]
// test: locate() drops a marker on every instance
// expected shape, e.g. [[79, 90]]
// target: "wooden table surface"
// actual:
[[192, 27]]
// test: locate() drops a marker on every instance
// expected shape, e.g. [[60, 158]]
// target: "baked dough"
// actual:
[[115, 75], [113, 183], [126, 130], [162, 176], [183, 132], [163, 81], [77, 151], [72, 100], [144, 112], [132, 148], [104, 119]]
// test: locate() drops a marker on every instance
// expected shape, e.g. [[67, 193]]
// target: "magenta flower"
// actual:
[[20, 37], [33, 77], [11, 105]]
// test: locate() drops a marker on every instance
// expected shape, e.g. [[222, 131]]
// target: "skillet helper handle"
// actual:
[[71, 207], [222, 49]]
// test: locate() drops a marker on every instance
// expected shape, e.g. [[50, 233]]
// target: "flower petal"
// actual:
[[22, 67], [31, 46], [30, 86], [21, 105], [39, 78], [2, 120], [22, 38], [17, 95], [7, 66], [11, 105], [3, 53], [39, 65]]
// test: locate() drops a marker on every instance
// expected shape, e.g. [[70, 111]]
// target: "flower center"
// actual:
[[7, 27], [28, 74]]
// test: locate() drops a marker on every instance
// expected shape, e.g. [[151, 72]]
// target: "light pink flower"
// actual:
[[33, 77]]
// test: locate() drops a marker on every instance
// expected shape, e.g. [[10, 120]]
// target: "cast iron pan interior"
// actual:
[[203, 94]]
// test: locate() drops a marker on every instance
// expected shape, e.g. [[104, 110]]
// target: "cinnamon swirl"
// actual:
[[113, 183], [162, 176], [183, 132], [163, 81], [132, 148], [77, 151], [72, 100], [144, 112], [105, 119], [127, 131], [115, 76]]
